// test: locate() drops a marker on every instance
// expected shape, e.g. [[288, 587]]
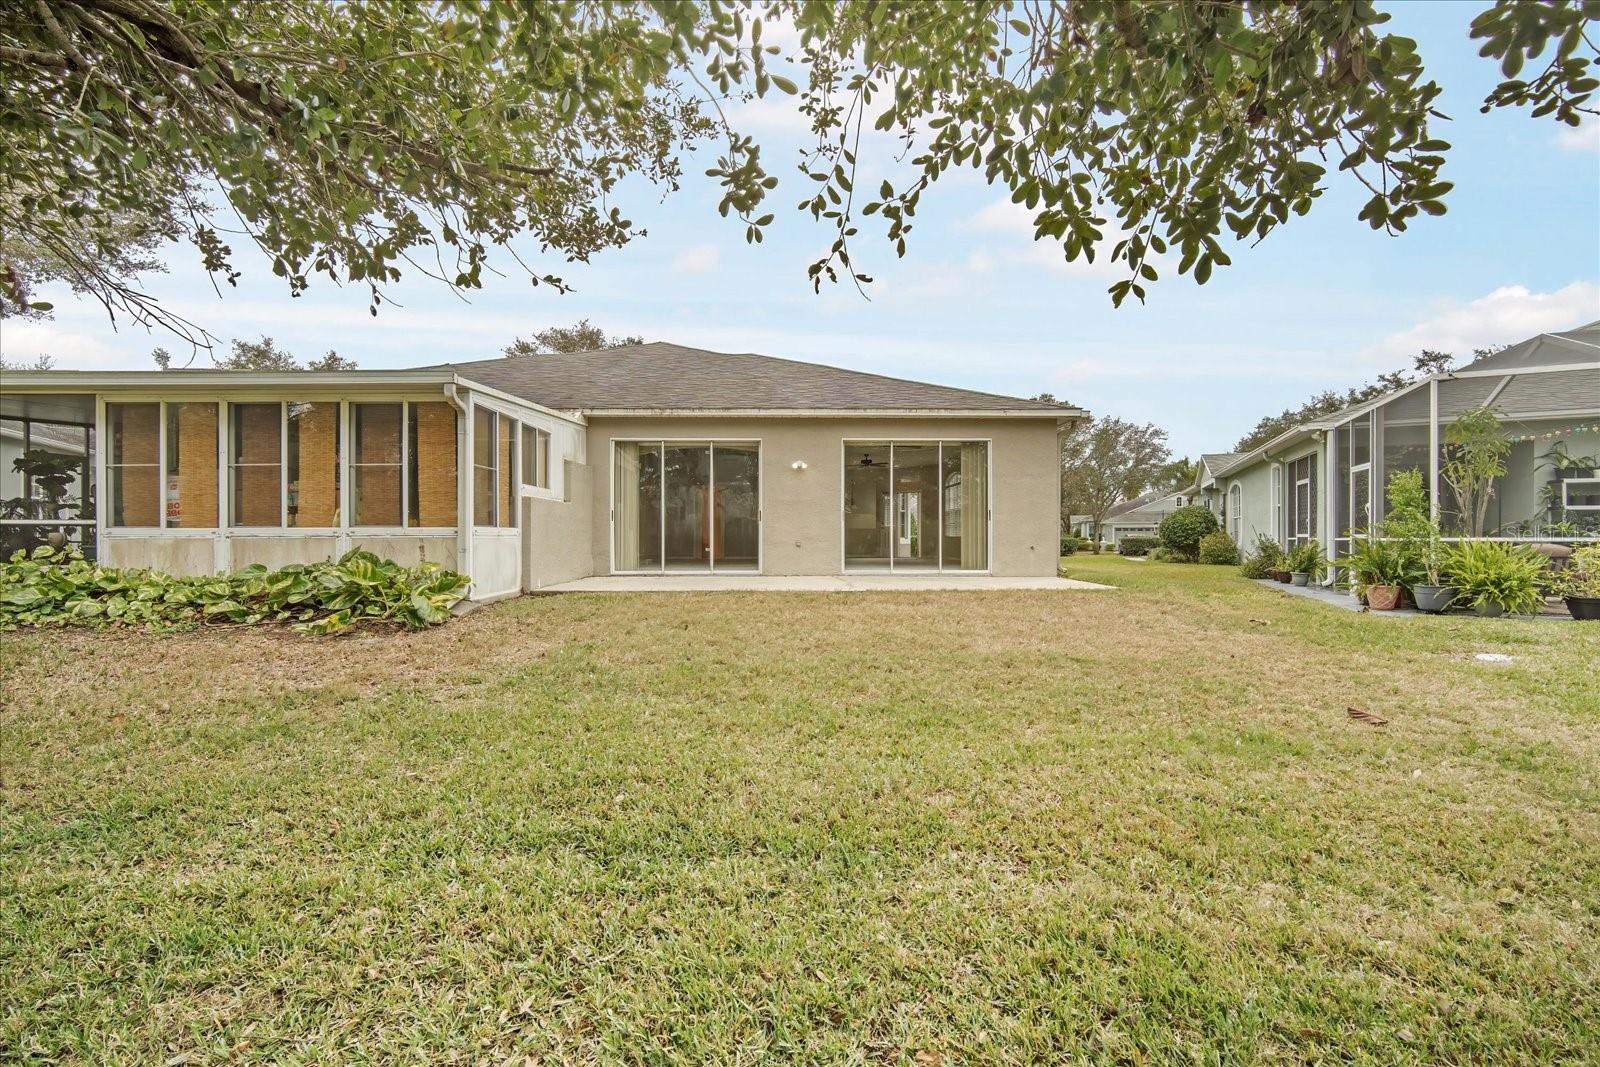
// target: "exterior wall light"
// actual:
[[799, 464]]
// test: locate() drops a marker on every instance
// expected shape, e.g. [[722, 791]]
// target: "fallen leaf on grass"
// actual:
[[1366, 717]]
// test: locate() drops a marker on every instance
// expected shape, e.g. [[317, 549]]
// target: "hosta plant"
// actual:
[[52, 587]]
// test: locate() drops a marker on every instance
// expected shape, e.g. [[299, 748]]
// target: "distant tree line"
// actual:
[[1331, 400]]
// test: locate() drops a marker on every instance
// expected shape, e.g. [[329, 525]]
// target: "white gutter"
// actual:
[[82, 381], [836, 413]]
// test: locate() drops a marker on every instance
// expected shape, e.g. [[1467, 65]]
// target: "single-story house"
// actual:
[[1138, 517], [529, 471], [1326, 477]]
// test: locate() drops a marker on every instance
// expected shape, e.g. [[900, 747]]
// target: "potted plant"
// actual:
[[1379, 570], [1416, 534], [1578, 583], [1496, 576], [1306, 562]]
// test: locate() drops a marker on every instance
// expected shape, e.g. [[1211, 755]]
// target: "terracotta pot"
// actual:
[[1281, 576], [1383, 597]]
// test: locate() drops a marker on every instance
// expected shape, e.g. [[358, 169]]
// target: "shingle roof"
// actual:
[[667, 377], [1134, 504], [1217, 460]]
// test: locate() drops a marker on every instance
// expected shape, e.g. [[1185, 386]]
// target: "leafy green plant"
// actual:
[[1265, 557], [1413, 531], [1135, 546], [1496, 572], [1580, 577], [1374, 561], [1182, 531], [49, 587], [1306, 558], [1475, 455], [1218, 548]]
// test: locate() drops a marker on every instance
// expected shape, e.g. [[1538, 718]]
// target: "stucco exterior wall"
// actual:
[[802, 529], [1255, 504], [559, 541]]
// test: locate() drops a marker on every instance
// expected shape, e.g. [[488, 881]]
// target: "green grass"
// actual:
[[1123, 826]]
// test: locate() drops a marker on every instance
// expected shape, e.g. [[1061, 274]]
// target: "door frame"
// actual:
[[988, 519], [711, 476]]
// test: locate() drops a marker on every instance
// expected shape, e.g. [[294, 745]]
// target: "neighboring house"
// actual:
[[524, 472], [1140, 516], [1326, 477]]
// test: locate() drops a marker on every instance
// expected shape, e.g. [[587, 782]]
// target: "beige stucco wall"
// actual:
[[802, 524], [559, 542]]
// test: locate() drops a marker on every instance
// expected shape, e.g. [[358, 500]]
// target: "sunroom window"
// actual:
[[133, 464]]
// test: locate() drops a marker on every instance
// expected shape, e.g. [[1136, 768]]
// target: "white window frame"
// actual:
[[711, 476], [1568, 506], [1235, 507], [939, 442], [1276, 480], [225, 529], [543, 441]]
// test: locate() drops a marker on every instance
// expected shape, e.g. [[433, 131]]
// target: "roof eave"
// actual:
[[837, 413], [85, 381]]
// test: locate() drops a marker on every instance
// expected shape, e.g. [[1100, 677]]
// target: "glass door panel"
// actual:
[[636, 506], [735, 507], [686, 498], [867, 510], [964, 477], [916, 507]]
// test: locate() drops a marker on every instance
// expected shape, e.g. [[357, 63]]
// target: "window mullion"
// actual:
[[161, 463], [405, 464], [283, 464]]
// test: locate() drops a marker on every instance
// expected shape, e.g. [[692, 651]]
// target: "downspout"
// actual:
[[463, 478]]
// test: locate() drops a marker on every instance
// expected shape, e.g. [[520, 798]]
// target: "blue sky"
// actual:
[[1324, 302]]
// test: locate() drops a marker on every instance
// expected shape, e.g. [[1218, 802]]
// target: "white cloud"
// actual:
[[1013, 223], [1507, 315], [697, 259], [70, 348], [777, 112], [1582, 138]]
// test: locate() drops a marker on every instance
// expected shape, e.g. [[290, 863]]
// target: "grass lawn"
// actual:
[[920, 828]]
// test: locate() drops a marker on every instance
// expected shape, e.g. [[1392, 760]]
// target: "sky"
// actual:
[[1324, 302]]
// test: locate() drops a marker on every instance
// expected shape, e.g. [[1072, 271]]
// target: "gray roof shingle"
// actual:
[[666, 377]]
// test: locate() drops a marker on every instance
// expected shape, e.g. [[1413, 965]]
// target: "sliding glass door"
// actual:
[[916, 505], [686, 506]]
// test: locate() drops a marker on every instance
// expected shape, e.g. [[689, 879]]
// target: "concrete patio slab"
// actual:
[[848, 583]]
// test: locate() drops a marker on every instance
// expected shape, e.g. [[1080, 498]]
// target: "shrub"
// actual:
[[1070, 544], [1306, 558], [1496, 572], [1374, 561], [1580, 577], [1264, 558], [1218, 547], [1160, 554], [58, 588], [1135, 546], [1182, 531]]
